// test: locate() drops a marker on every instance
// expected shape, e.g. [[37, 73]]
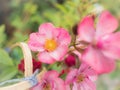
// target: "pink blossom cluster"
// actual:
[[93, 53]]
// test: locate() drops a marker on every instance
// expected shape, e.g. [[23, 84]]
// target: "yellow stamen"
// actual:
[[47, 87], [80, 78], [50, 44]]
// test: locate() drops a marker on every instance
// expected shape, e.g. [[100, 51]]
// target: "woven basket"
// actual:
[[24, 85]]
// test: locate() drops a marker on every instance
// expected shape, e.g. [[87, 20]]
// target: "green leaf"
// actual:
[[19, 37], [57, 67], [2, 35], [61, 8], [18, 23], [30, 8], [7, 73], [5, 58]]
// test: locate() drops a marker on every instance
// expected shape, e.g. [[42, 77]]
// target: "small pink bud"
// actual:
[[70, 60]]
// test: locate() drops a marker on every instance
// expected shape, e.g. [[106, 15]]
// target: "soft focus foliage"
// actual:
[[25, 16], [2, 35]]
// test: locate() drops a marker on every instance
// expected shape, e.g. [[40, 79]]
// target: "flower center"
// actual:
[[47, 86], [80, 78], [50, 44]]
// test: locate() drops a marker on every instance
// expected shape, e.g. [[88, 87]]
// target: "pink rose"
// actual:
[[82, 78], [50, 81], [51, 43], [103, 42]]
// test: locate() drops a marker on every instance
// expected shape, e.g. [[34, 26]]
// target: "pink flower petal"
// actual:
[[88, 85], [36, 42], [112, 52], [59, 52], [94, 58], [88, 71], [67, 87], [92, 74], [46, 29], [37, 87], [51, 77], [56, 32], [86, 29], [110, 45], [45, 58], [106, 24], [76, 87], [63, 37], [83, 67], [51, 74], [59, 84], [78, 54], [71, 76]]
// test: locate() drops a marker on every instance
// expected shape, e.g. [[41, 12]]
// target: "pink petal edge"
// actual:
[[47, 30], [45, 58], [59, 53], [98, 61], [36, 42], [86, 29], [106, 24]]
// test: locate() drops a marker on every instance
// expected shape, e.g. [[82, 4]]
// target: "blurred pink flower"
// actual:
[[104, 45], [82, 78], [51, 43], [50, 81]]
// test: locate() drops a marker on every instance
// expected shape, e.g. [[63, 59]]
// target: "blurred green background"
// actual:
[[18, 18]]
